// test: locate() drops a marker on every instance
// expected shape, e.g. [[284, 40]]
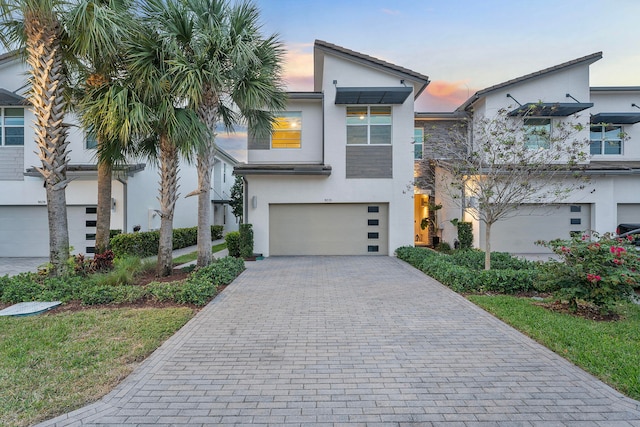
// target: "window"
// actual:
[[91, 142], [575, 208], [287, 130], [606, 139], [418, 139], [368, 125], [373, 209], [537, 133], [12, 126]]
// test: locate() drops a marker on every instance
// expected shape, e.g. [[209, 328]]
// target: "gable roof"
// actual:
[[585, 60], [324, 47]]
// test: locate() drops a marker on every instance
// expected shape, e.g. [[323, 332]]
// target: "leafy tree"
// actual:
[[237, 198], [36, 27], [506, 164], [227, 71]]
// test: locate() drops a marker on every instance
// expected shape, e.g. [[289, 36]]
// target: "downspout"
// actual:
[[124, 204], [323, 126], [245, 205]]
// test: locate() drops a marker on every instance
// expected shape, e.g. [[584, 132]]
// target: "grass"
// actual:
[[182, 259], [53, 364], [608, 350]]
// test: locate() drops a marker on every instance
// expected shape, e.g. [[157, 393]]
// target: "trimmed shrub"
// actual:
[[246, 240], [145, 244], [233, 243], [217, 232]]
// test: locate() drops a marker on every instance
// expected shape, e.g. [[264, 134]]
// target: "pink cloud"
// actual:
[[298, 67], [443, 96]]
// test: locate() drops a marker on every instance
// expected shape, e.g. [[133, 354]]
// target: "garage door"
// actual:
[[328, 229], [519, 233], [24, 230], [628, 213]]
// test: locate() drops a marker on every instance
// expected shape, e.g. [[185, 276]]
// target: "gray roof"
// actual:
[[9, 56], [421, 79], [615, 89], [589, 59], [8, 98]]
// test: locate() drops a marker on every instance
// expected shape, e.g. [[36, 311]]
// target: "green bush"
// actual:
[[462, 271], [145, 244], [443, 247], [602, 271], [233, 243], [465, 235], [246, 240]]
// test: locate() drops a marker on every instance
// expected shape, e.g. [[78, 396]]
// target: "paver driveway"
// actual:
[[341, 340]]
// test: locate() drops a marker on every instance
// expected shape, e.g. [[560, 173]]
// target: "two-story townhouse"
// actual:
[[334, 178], [23, 212], [560, 94]]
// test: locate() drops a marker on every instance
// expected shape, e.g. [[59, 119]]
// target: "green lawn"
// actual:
[[53, 364], [608, 350], [192, 256]]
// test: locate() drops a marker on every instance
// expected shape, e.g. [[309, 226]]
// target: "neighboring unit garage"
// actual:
[[628, 213], [328, 229], [24, 230], [518, 234]]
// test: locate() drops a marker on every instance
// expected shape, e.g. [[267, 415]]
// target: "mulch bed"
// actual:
[[584, 310]]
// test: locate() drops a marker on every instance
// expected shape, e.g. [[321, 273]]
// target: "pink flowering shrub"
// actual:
[[601, 270]]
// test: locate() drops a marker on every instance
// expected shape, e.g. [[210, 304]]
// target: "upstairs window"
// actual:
[[537, 133], [90, 141], [12, 126], [287, 130], [606, 139], [418, 139], [368, 125]]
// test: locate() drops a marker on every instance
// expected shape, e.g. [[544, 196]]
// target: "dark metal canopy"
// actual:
[[372, 95], [616, 118], [10, 99], [550, 109], [282, 169]]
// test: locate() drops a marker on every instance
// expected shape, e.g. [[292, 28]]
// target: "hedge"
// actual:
[[197, 289], [462, 271], [145, 243]]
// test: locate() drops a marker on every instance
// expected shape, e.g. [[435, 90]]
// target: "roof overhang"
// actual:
[[550, 109], [9, 99], [91, 170], [284, 169], [616, 118], [372, 95], [613, 168]]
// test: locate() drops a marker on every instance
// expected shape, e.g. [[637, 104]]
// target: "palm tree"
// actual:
[[228, 72], [36, 26], [97, 29]]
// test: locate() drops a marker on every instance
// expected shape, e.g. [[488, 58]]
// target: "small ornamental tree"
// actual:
[[237, 196], [503, 162], [602, 271]]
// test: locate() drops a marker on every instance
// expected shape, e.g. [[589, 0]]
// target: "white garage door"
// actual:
[[328, 229], [24, 230], [519, 233], [628, 213]]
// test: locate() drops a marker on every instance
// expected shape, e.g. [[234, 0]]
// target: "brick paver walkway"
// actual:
[[352, 340]]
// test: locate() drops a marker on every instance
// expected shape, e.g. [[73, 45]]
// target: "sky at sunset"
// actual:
[[462, 45]]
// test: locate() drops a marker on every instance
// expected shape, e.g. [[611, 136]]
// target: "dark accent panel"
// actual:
[[91, 210], [373, 222], [369, 161], [90, 236], [373, 209], [373, 235], [576, 208], [373, 248], [91, 223], [90, 250], [258, 143], [576, 221]]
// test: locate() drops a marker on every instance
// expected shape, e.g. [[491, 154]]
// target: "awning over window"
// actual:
[[616, 118], [10, 99], [372, 95], [550, 109]]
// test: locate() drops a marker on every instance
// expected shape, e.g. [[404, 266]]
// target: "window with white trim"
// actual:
[[537, 132], [418, 139], [606, 139], [368, 125], [11, 126]]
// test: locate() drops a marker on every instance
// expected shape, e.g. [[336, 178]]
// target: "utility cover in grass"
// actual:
[[29, 308]]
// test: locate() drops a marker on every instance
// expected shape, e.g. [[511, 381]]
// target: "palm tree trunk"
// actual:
[[204, 166], [48, 81], [103, 220], [168, 198]]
